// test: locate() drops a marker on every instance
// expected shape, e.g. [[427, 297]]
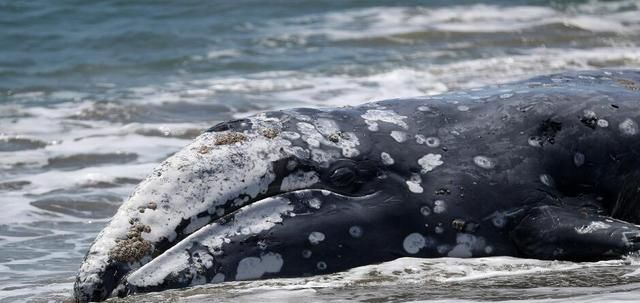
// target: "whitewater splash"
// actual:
[[501, 279]]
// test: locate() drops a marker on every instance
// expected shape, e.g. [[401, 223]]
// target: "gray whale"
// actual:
[[546, 168]]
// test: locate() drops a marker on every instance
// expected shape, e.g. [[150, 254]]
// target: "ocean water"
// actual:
[[93, 95]]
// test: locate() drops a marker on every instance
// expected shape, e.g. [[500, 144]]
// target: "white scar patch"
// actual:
[[628, 127], [465, 244], [414, 184], [547, 180], [320, 133], [429, 162], [299, 179], [593, 226], [439, 206], [316, 237], [484, 162], [463, 108], [254, 267], [385, 116], [372, 125], [399, 136]]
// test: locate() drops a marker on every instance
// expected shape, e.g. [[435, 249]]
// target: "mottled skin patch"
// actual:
[[230, 138], [521, 173], [628, 84]]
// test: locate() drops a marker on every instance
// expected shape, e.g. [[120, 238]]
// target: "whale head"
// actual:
[[241, 163]]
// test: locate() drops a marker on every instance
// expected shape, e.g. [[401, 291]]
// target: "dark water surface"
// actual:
[[94, 94]]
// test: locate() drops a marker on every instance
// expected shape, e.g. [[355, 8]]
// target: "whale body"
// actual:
[[546, 168]]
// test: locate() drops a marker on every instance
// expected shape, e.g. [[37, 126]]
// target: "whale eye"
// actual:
[[238, 124], [343, 176]]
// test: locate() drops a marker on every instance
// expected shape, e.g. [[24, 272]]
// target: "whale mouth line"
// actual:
[[299, 194], [253, 218]]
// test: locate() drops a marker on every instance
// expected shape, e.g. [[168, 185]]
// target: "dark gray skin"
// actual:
[[545, 168]]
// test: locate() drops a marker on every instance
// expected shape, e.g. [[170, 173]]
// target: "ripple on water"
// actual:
[[167, 112], [88, 206], [13, 185], [444, 279], [12, 144], [85, 160]]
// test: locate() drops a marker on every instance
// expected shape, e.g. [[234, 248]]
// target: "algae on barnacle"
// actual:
[[204, 149], [229, 138], [269, 132], [134, 247], [335, 137]]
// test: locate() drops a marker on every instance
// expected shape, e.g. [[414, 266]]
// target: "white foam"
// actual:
[[392, 21], [441, 274]]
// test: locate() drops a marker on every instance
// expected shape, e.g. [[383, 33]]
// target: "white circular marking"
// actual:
[[439, 229], [423, 108], [306, 254], [439, 206], [316, 237], [355, 231], [628, 127], [463, 108], [484, 162], [499, 220], [413, 243], [321, 265], [433, 142], [425, 210], [603, 123], [488, 249], [386, 158], [430, 141]]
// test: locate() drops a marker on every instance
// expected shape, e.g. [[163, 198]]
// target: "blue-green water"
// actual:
[[94, 94]]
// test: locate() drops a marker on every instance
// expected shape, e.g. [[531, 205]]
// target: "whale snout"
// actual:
[[214, 176]]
